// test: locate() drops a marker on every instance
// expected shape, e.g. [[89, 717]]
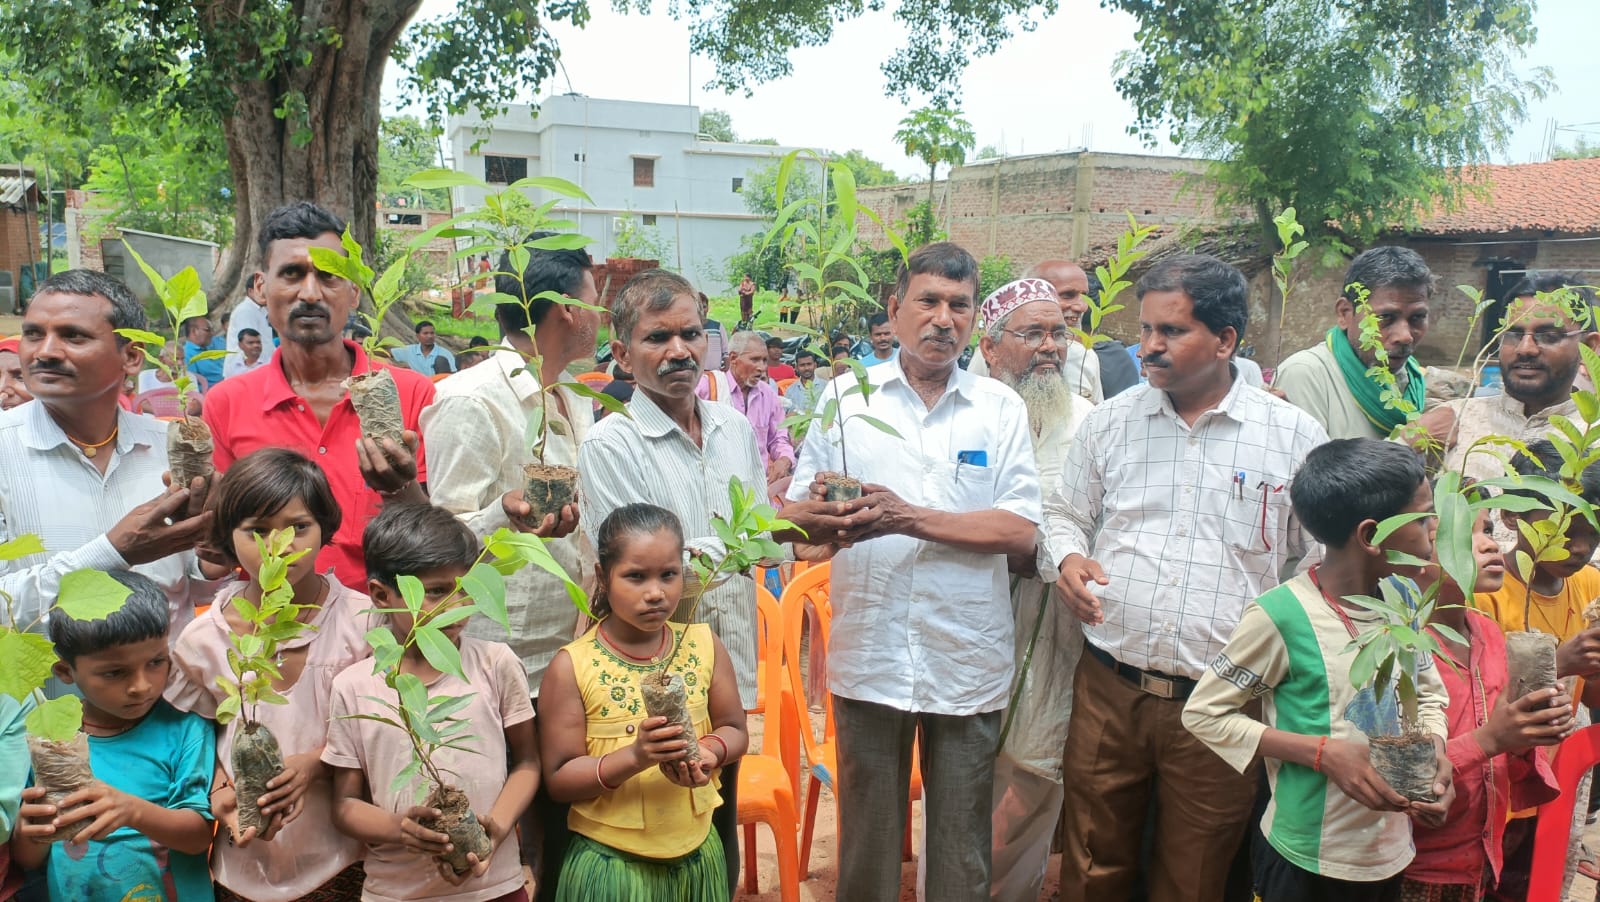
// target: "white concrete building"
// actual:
[[638, 161]]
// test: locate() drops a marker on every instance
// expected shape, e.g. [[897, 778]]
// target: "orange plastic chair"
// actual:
[[762, 657], [1574, 757], [809, 590], [766, 782], [783, 385], [595, 380], [440, 377]]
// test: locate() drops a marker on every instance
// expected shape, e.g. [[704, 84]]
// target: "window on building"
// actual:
[[413, 219], [649, 219], [738, 185], [644, 172], [504, 170]]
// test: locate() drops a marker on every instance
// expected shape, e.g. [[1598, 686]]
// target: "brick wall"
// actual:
[[1056, 205]]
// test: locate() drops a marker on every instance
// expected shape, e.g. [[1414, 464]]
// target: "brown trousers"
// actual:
[[1124, 745]]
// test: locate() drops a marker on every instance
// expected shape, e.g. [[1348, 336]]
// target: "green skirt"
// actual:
[[593, 872]]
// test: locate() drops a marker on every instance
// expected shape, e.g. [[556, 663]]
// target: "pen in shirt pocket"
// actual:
[[978, 458]]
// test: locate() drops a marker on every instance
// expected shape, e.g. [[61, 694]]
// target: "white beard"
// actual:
[[1048, 399]]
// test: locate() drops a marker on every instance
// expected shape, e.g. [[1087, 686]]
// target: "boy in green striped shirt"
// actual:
[[1333, 829]]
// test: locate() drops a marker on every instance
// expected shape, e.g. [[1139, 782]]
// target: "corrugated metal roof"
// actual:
[[13, 188]]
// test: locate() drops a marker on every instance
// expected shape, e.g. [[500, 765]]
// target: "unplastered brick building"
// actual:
[[1518, 218]]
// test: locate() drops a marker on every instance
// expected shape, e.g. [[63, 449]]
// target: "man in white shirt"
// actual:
[[1025, 337], [249, 313], [1172, 513], [921, 602], [475, 435], [79, 472]]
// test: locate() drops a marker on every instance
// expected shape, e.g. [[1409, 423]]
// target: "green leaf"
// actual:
[[412, 593], [404, 776], [412, 692], [21, 547], [1390, 524], [487, 589], [561, 242], [444, 707], [429, 179], [877, 424], [552, 184], [142, 337], [440, 651], [57, 719], [227, 709], [90, 595], [28, 659], [1454, 546]]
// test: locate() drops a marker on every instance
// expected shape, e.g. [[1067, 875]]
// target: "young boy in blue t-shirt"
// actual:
[[141, 830]]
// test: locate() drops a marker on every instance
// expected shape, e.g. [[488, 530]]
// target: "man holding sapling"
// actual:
[[1171, 514], [1024, 344], [82, 473], [679, 452], [921, 598], [300, 400], [1329, 380], [476, 434], [749, 392], [1334, 828]]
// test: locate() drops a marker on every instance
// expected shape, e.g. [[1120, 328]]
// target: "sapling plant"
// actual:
[[253, 672], [746, 536], [373, 394], [57, 747], [1113, 278], [821, 252], [182, 298], [430, 723], [1291, 244], [510, 227]]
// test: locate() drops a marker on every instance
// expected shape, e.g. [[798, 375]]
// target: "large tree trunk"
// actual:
[[329, 154]]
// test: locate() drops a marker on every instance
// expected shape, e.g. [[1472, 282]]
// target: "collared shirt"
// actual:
[[760, 405], [1158, 504], [646, 457], [48, 488], [1467, 849], [802, 394], [247, 314], [259, 410], [209, 370], [424, 362], [1312, 381], [477, 446], [919, 626]]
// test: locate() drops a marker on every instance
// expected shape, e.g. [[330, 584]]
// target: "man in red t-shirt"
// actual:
[[299, 401]]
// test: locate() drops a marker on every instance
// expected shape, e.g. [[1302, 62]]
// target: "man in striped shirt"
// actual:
[[679, 452]]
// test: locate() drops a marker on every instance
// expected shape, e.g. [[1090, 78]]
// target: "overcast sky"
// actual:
[[1046, 90]]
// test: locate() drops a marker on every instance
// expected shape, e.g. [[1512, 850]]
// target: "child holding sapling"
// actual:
[[146, 820], [291, 849], [1493, 739], [377, 780], [1552, 603], [641, 813], [1334, 829]]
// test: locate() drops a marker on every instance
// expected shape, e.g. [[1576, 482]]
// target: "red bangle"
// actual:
[[598, 778], [723, 758], [1316, 763]]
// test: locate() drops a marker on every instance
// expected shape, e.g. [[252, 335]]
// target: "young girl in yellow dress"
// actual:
[[641, 815]]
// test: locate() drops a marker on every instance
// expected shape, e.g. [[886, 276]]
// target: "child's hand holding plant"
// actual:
[[1543, 717]]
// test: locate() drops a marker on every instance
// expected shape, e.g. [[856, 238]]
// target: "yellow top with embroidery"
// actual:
[[647, 815]]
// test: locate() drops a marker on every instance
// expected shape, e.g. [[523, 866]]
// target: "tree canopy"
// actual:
[[717, 125], [1358, 113]]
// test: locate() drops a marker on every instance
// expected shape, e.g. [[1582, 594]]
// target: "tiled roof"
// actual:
[[1558, 196], [13, 188]]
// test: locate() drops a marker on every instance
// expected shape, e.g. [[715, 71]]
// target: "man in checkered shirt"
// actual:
[[1172, 513]]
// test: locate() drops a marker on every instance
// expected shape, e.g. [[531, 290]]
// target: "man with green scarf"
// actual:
[[1329, 380]]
